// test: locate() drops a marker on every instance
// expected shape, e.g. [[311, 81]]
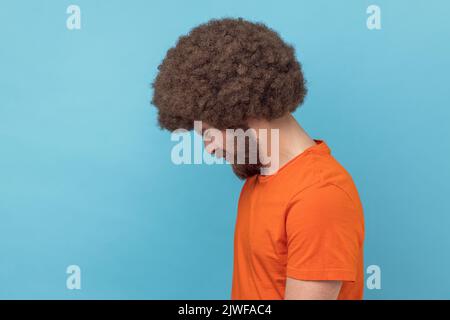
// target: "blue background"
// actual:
[[86, 176]]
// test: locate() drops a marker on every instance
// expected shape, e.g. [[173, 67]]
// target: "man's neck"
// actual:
[[292, 138]]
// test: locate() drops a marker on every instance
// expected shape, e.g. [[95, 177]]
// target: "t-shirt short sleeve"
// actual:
[[324, 235]]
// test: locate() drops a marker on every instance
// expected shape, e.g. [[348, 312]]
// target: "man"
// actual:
[[299, 229]]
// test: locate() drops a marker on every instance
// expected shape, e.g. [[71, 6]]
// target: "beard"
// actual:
[[250, 167], [244, 171]]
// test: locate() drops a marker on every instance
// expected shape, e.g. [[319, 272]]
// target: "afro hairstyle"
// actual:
[[225, 72]]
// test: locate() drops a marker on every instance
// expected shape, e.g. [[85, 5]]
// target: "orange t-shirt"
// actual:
[[304, 222]]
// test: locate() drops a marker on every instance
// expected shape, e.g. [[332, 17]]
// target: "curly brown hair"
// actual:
[[225, 72]]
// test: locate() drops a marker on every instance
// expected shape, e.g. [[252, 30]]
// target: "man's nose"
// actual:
[[210, 148]]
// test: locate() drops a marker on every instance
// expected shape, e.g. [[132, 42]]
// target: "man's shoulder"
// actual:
[[319, 171]]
